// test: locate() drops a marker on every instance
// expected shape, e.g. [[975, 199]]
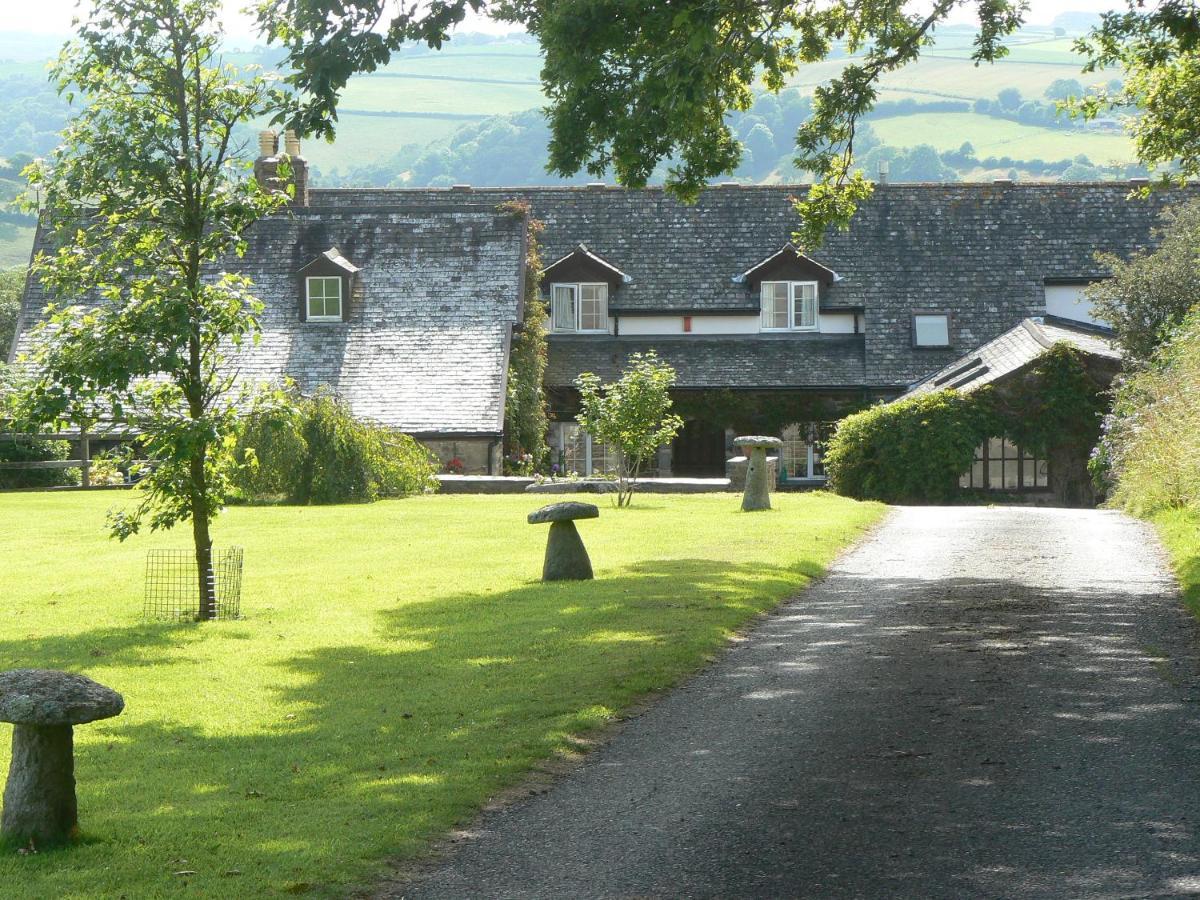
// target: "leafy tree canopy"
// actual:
[[1158, 46], [632, 83], [1150, 293]]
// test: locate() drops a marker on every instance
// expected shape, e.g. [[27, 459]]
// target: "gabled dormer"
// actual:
[[580, 286], [326, 286], [789, 286]]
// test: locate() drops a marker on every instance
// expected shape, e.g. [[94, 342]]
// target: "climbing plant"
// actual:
[[914, 449], [525, 417]]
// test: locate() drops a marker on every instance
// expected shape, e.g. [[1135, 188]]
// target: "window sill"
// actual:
[[933, 346], [324, 320]]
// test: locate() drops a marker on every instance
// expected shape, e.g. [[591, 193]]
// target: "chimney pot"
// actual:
[[884, 169], [268, 143], [291, 143], [460, 187]]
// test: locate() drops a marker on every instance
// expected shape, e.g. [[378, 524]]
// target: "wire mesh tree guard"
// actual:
[[173, 588]]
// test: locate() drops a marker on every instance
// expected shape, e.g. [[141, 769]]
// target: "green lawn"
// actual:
[[1180, 532], [397, 665]]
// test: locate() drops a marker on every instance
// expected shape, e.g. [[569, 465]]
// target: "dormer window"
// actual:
[[789, 305], [324, 299], [581, 307], [326, 288]]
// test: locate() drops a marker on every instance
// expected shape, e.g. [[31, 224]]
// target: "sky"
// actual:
[[54, 16]]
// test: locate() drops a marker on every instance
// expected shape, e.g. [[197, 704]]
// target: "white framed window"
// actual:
[[789, 305], [931, 329], [324, 298], [579, 307]]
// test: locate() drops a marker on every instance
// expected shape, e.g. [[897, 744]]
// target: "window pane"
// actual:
[[977, 480], [995, 448], [333, 297], [316, 306], [1028, 473], [1010, 475], [573, 450], [593, 314], [564, 307], [931, 330], [995, 474], [1043, 473], [806, 305], [774, 304], [316, 288], [1011, 451]]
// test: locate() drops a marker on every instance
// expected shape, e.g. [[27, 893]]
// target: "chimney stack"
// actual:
[[266, 167]]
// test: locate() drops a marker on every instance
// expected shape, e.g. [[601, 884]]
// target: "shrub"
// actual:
[[35, 451], [1149, 456], [909, 450], [318, 452]]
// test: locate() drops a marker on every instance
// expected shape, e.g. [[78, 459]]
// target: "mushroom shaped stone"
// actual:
[[44, 706], [758, 483], [566, 557]]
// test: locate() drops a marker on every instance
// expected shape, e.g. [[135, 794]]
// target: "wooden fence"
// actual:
[[82, 441]]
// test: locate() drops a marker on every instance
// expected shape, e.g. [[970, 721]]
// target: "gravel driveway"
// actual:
[[977, 702]]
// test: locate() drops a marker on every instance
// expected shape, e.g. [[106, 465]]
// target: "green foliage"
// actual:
[[1149, 457], [1055, 408], [631, 415], [1158, 47], [915, 449], [634, 85], [525, 417], [1150, 293], [910, 450], [144, 198], [24, 450], [12, 284], [314, 450]]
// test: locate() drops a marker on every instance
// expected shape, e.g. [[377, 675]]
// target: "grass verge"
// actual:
[[398, 664], [1180, 532]]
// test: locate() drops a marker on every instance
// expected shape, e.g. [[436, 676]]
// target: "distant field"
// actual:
[[428, 95], [15, 248], [1000, 137], [367, 140]]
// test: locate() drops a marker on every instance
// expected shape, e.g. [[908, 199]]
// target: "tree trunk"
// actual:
[[203, 543]]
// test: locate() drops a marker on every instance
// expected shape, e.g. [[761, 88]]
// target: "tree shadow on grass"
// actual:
[[391, 744]]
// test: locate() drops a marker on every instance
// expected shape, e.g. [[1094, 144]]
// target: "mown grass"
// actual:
[[1180, 533], [397, 665]]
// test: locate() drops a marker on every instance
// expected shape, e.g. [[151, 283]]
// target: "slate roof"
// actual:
[[1015, 350], [426, 346], [736, 361], [979, 251]]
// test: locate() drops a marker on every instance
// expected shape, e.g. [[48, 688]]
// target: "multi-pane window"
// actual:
[[1000, 465], [324, 299], [802, 454], [789, 305], [577, 452], [579, 307], [931, 330]]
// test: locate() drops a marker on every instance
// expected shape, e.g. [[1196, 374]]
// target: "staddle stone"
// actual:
[[567, 511], [44, 705], [758, 483], [566, 557]]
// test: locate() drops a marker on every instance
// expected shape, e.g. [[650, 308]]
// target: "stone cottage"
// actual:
[[405, 301]]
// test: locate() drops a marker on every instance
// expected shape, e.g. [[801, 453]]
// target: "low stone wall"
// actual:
[[483, 484]]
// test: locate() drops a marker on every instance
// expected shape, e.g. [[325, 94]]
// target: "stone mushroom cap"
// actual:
[[43, 697], [758, 440], [564, 512]]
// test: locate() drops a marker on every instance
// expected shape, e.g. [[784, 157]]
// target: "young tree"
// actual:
[[1151, 293], [636, 84], [145, 199], [632, 415]]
